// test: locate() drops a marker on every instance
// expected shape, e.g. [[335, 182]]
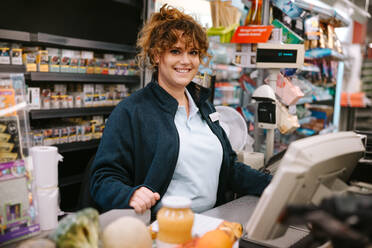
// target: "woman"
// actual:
[[165, 139]]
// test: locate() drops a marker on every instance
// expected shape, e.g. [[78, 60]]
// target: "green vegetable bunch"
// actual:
[[78, 230]]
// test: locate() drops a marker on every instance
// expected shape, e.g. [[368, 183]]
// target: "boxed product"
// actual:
[[29, 58], [98, 66], [83, 61], [16, 56], [110, 94], [287, 123], [4, 55], [105, 67], [90, 61], [78, 100], [112, 68], [99, 95], [70, 101], [121, 68], [47, 136], [79, 132], [10, 147], [289, 37], [88, 93], [34, 97], [55, 102], [7, 97], [54, 55], [109, 64], [74, 63], [46, 98], [42, 61], [72, 134], [37, 138], [66, 56], [288, 93], [97, 130], [64, 134], [18, 215], [288, 7], [56, 135], [87, 133]]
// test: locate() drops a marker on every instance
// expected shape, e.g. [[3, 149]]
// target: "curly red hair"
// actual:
[[164, 29]]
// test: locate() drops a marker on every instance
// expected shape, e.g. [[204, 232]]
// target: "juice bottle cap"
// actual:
[[176, 202]]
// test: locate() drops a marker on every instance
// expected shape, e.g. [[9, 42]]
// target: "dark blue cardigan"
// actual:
[[140, 146]]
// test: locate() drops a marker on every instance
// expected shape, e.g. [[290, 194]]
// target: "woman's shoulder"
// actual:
[[137, 101], [136, 97]]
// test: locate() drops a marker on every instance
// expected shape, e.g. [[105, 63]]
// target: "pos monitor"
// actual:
[[311, 169]]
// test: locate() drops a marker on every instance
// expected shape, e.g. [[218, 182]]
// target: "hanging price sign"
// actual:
[[252, 34]]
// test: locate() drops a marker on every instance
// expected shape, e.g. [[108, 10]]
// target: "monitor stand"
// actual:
[[294, 237], [241, 209]]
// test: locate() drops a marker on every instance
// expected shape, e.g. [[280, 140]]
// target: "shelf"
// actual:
[[128, 2], [310, 68], [64, 41], [325, 11], [305, 100], [12, 68], [37, 114], [80, 43], [318, 53], [360, 114], [77, 146], [223, 67], [80, 77], [14, 35]]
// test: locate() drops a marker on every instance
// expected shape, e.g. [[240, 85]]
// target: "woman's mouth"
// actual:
[[182, 70]]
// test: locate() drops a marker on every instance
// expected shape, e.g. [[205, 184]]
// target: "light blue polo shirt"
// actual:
[[199, 160]]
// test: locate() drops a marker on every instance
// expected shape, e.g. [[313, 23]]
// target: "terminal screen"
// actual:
[[276, 55]]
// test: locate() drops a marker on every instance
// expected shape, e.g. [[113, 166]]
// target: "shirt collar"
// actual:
[[192, 106], [197, 93]]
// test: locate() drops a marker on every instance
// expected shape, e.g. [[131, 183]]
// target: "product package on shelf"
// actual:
[[29, 58], [18, 212], [54, 55], [42, 60], [4, 55], [287, 123], [66, 56], [288, 93], [16, 56]]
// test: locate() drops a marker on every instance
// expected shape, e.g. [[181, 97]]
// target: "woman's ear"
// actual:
[[157, 59]]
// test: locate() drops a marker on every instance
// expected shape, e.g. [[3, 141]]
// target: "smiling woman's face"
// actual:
[[177, 66]]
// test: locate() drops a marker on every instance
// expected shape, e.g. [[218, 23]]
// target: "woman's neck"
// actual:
[[179, 94]]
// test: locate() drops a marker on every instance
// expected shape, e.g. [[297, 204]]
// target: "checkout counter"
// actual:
[[238, 210], [311, 169], [241, 209]]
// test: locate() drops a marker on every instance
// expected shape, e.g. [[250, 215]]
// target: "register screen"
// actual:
[[276, 56]]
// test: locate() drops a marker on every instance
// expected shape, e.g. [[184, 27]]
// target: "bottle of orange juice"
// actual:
[[175, 220]]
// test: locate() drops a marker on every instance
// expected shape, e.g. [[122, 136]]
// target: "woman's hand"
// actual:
[[143, 199]]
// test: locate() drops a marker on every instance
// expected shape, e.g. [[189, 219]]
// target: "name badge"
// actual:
[[214, 116]]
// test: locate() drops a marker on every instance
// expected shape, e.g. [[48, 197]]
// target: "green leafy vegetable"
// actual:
[[78, 230]]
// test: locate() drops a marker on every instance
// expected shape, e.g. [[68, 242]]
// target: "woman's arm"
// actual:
[[112, 182], [242, 178]]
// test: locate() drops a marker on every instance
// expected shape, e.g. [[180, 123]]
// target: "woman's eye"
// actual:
[[175, 51], [194, 52]]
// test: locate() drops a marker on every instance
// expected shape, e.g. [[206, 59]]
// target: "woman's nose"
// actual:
[[185, 58]]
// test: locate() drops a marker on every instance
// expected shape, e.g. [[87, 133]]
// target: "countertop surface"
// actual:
[[239, 210]]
